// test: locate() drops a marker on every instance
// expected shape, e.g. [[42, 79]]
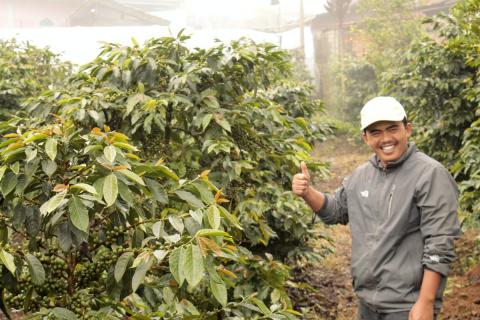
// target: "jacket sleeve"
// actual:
[[437, 199], [334, 209]]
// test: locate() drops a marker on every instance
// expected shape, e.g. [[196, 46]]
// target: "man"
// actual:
[[401, 206]]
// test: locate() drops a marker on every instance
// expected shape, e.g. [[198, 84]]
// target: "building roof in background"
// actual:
[[327, 21], [111, 13], [153, 5], [64, 13]]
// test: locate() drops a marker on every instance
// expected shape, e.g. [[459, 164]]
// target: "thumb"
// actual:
[[303, 167]]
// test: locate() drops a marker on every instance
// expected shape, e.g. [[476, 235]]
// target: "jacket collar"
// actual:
[[412, 148]]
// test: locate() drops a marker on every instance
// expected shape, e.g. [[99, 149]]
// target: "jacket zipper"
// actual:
[[390, 202]]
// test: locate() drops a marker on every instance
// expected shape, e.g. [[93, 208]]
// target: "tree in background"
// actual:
[[385, 30], [26, 71], [437, 80], [339, 9]]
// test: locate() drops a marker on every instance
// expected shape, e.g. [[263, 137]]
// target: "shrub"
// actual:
[[230, 109], [26, 71]]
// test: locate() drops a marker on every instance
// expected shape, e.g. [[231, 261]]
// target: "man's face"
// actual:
[[388, 139]]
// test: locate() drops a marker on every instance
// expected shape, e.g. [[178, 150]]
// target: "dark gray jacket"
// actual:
[[403, 219]]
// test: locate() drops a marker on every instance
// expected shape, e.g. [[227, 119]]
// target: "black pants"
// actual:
[[365, 313]]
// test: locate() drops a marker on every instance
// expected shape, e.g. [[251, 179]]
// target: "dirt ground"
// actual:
[[331, 297]]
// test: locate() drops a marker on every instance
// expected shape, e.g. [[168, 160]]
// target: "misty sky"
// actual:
[[81, 44]]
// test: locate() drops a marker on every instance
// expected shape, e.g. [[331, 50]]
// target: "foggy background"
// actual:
[[74, 28]]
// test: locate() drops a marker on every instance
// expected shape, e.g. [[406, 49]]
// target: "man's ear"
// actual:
[[409, 128], [364, 136]]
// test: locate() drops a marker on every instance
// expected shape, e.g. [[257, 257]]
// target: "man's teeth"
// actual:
[[388, 148]]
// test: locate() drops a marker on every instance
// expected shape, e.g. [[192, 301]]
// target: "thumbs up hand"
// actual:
[[301, 181]]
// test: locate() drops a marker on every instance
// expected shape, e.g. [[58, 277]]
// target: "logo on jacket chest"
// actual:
[[364, 193]]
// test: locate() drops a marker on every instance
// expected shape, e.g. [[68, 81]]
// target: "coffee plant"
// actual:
[[91, 230], [154, 183], [231, 109], [26, 71]]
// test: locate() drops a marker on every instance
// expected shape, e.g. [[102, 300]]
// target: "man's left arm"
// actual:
[[423, 308], [437, 199]]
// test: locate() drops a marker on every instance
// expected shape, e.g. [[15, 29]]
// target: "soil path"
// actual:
[[331, 296]]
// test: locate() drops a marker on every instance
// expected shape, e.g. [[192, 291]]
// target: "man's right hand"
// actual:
[[301, 181]]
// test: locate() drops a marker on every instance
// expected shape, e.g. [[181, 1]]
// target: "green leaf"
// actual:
[[167, 172], [63, 314], [230, 217], [176, 223], [193, 268], [53, 203], [176, 262], [110, 189], [190, 198], [213, 216], [122, 264], [37, 272], [93, 148], [132, 102], [132, 176], [205, 192], [8, 184], [142, 257], [190, 308], [78, 214], [125, 193], [160, 255], [157, 191], [51, 148], [110, 153], [158, 170], [15, 167], [224, 124], [262, 306], [157, 229], [8, 261], [2, 171], [35, 137], [49, 167], [30, 154], [140, 273], [85, 187], [206, 121], [125, 146], [219, 289], [211, 232]]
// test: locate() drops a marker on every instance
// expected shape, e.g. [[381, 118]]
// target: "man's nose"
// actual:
[[386, 135]]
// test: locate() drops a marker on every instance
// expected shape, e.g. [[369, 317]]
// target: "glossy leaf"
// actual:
[[140, 273], [51, 148], [110, 189], [122, 264], [78, 213], [193, 267], [132, 176], [190, 198], [35, 267], [8, 261], [53, 203], [214, 217]]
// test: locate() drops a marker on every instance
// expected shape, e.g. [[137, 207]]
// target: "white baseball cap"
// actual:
[[381, 109]]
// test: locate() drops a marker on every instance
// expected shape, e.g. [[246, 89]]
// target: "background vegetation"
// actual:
[[434, 74]]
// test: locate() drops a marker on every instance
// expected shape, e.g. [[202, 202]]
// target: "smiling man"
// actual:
[[402, 210]]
